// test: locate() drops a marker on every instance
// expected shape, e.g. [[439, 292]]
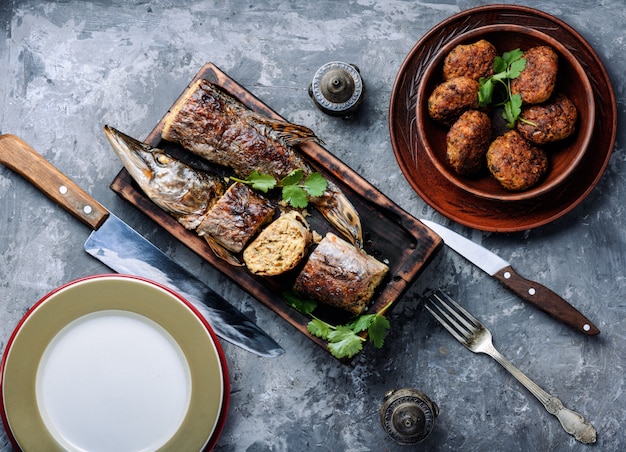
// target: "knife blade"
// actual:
[[124, 250], [530, 291]]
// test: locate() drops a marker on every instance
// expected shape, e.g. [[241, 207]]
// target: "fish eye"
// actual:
[[162, 159]]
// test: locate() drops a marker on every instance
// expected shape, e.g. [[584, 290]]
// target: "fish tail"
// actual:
[[286, 132], [339, 211]]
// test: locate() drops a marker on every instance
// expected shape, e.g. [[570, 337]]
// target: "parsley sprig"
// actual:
[[506, 68], [344, 341], [296, 189]]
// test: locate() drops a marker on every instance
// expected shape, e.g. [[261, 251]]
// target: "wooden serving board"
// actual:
[[390, 234]]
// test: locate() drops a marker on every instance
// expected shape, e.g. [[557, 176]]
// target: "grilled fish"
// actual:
[[339, 275], [217, 127], [200, 201], [236, 217], [184, 192]]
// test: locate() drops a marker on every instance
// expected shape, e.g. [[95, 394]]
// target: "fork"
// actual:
[[476, 337]]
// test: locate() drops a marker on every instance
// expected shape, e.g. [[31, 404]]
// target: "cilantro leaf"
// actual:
[[485, 92], [344, 340], [499, 64], [292, 178], [294, 191], [315, 185], [319, 328], [512, 56], [295, 195], [259, 181], [506, 68], [512, 110], [516, 68], [303, 306], [378, 329], [344, 343], [362, 323]]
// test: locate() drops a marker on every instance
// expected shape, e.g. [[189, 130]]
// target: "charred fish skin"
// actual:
[[177, 188], [217, 127], [236, 217], [338, 274]]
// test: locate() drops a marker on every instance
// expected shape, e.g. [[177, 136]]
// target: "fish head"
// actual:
[[176, 187]]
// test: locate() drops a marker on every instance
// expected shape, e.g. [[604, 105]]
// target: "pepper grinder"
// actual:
[[337, 89], [408, 415]]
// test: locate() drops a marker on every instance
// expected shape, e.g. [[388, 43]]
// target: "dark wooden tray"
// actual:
[[390, 234]]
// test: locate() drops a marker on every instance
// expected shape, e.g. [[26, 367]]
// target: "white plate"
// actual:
[[113, 363]]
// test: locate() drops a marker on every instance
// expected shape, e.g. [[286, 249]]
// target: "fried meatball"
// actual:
[[516, 163], [467, 142], [451, 98], [536, 82], [470, 60], [550, 122]]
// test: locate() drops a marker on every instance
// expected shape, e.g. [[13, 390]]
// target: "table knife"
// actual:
[[124, 250], [530, 291]]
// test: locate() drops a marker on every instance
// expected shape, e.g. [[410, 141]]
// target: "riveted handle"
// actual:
[[25, 161], [546, 300]]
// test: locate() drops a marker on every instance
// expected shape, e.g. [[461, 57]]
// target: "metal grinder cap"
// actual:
[[408, 415], [337, 88]]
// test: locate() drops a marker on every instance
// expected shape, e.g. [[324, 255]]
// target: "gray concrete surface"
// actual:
[[69, 67]]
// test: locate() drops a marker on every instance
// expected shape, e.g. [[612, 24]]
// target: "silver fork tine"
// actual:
[[475, 323], [470, 322], [476, 337], [447, 325]]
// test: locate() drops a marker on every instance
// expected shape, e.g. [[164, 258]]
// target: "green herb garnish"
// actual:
[[506, 68], [344, 341], [301, 305], [296, 189]]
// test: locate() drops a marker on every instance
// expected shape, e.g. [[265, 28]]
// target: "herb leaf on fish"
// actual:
[[315, 185], [295, 190], [258, 181]]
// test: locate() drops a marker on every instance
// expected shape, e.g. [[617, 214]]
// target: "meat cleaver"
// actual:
[[121, 248], [530, 291]]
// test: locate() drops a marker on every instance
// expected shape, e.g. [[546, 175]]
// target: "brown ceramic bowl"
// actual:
[[564, 156]]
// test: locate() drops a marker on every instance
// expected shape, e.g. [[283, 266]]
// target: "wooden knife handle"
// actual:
[[546, 300], [24, 160]]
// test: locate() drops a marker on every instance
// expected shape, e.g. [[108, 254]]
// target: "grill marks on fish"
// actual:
[[220, 129], [236, 217], [339, 275]]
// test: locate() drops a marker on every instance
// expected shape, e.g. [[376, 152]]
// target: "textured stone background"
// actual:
[[69, 67]]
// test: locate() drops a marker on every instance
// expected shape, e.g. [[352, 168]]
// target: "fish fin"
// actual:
[[339, 211], [287, 132], [222, 252]]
